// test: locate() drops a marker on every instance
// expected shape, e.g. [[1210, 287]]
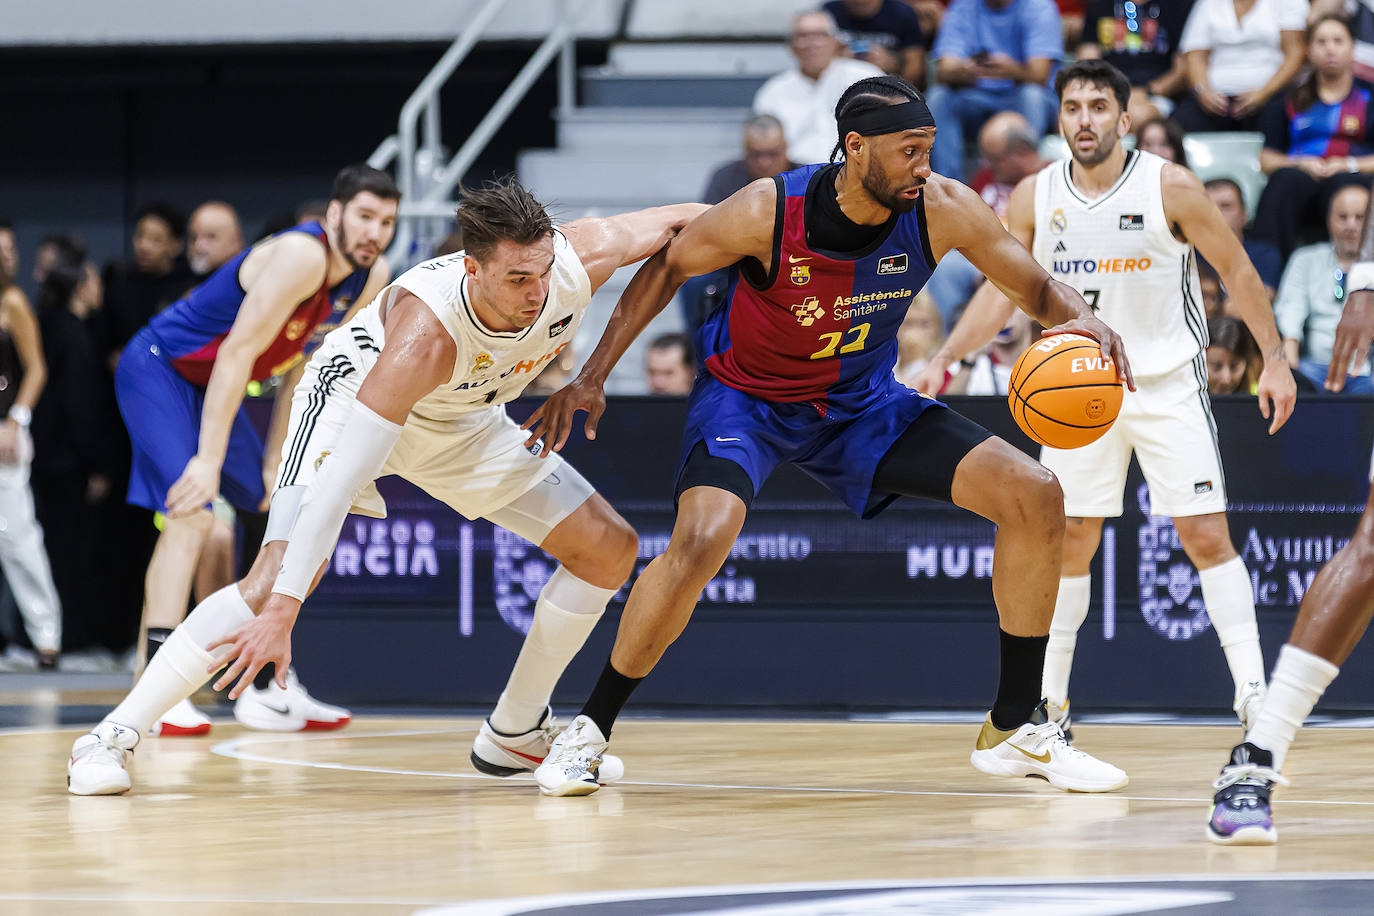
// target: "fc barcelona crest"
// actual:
[[801, 274], [1350, 125], [295, 328]]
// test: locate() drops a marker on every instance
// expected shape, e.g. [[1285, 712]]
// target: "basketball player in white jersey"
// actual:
[[413, 386], [1121, 227]]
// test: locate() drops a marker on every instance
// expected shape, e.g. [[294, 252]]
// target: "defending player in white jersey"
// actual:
[[1121, 227], [413, 386]]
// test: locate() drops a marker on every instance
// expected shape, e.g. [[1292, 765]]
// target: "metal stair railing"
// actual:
[[403, 147]]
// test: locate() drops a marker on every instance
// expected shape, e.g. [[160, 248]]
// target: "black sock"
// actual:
[[1018, 685], [264, 677], [156, 637], [608, 697]]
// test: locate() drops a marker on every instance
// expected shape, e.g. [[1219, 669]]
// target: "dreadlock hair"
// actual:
[[868, 94]]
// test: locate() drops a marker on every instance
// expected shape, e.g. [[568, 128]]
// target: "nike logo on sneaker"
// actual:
[[279, 710], [1043, 758], [511, 750], [727, 439]]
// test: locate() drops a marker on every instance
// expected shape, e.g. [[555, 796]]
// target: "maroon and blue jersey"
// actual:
[[1326, 130], [821, 327], [190, 330]]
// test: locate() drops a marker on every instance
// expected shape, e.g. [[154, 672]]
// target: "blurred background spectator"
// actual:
[[989, 370], [930, 13], [670, 365], [886, 33], [157, 276], [215, 237], [1360, 14], [764, 155], [919, 337], [1213, 293], [1233, 359], [1239, 54], [1010, 149], [1164, 138], [73, 442], [1312, 294], [1141, 40], [23, 375], [803, 98], [1318, 138], [1226, 194], [991, 56]]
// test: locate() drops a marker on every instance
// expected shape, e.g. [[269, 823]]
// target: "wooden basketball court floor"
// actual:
[[735, 816]]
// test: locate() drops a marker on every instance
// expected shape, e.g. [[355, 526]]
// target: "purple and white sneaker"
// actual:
[[1240, 807]]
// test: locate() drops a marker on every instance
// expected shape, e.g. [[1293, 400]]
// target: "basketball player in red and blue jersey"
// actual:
[[180, 385], [799, 368]]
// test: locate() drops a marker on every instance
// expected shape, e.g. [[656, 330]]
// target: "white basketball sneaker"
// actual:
[[1249, 702], [499, 754], [181, 719], [99, 761], [573, 760], [1059, 715], [292, 709], [1041, 751]]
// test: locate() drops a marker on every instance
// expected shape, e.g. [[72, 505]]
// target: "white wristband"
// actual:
[[21, 415], [355, 461], [1361, 276]]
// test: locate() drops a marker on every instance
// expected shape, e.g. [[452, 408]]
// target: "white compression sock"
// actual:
[[179, 667], [1299, 680], [564, 616], [1231, 605], [1070, 610]]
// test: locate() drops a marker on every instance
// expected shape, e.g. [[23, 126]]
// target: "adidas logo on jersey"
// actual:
[[1060, 248]]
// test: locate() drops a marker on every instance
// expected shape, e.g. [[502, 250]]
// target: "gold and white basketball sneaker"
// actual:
[[573, 760], [1057, 714], [1041, 751], [499, 754], [99, 761]]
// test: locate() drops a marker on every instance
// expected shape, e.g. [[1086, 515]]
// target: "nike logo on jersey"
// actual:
[[723, 439], [793, 259]]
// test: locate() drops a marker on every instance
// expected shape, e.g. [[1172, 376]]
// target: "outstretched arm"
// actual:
[[294, 269], [606, 244], [958, 218], [738, 227], [1187, 206], [418, 356]]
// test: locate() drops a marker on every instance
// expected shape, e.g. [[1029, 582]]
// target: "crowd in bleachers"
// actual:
[[1289, 72]]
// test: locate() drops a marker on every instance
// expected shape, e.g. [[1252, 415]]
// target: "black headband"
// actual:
[[889, 119]]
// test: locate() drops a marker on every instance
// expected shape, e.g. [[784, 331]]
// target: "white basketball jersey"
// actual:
[[1119, 252], [492, 367]]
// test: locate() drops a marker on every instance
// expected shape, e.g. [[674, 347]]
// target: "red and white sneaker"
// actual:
[[292, 709], [181, 719], [99, 761], [497, 754]]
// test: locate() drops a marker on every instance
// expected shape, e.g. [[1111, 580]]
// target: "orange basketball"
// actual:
[[1064, 392]]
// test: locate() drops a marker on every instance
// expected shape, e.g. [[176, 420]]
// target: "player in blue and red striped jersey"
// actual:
[[180, 385], [799, 368]]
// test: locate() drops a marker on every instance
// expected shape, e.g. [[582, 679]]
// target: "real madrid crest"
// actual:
[[1058, 223], [801, 274], [483, 361]]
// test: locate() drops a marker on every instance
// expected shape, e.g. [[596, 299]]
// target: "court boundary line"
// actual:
[[231, 749]]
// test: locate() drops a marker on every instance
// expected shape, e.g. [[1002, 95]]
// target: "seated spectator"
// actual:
[[765, 155], [1141, 40], [1317, 139], [1312, 294], [930, 13], [1238, 59], [1010, 147], [804, 98], [918, 338], [1360, 15], [991, 56], [1164, 138], [1233, 358], [886, 33], [1213, 293], [989, 370], [1226, 194], [157, 276], [670, 365], [215, 237]]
